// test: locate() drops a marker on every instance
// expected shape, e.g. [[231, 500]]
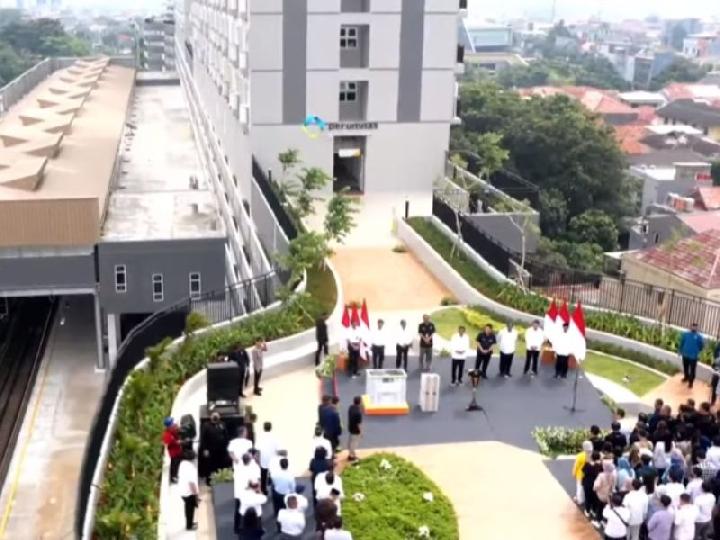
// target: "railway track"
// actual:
[[23, 335]]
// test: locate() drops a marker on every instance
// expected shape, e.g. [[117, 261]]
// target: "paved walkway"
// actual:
[[615, 391], [389, 281], [674, 392], [41, 490]]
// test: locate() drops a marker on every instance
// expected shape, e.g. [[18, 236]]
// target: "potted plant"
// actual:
[[223, 502], [325, 373]]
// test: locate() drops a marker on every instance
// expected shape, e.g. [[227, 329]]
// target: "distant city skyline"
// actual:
[[607, 9]]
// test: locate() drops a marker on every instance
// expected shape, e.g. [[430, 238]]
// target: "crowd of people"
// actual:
[[656, 480], [261, 473]]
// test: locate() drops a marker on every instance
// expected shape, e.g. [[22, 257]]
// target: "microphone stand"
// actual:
[[573, 408]]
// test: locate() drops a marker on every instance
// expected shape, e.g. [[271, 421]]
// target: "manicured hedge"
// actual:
[[387, 503], [559, 441], [514, 297], [129, 495]]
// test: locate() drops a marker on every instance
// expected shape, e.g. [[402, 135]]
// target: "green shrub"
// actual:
[[556, 441], [448, 301], [222, 475], [392, 506], [529, 302], [129, 504]]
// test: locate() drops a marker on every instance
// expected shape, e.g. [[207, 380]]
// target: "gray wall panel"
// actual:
[[76, 271], [294, 61], [173, 259], [412, 31]]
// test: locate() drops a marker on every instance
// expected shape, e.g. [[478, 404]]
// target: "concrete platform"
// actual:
[[39, 496]]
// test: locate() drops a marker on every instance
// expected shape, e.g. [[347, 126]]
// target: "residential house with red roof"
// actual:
[[690, 265]]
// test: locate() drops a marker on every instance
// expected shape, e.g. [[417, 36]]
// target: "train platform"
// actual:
[[40, 492]]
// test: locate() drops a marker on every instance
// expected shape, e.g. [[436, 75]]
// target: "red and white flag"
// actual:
[[576, 331], [355, 315], [365, 327], [345, 321], [549, 327]]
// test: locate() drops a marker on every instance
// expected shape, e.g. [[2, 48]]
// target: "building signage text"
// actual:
[[334, 126]]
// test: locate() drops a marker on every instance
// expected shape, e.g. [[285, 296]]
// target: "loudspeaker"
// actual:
[[223, 382]]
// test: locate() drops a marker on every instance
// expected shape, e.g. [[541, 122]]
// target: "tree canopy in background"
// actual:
[[23, 43], [681, 70], [568, 153]]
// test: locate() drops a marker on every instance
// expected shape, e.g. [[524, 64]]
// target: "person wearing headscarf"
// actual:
[[677, 466], [605, 485], [583, 457], [625, 476]]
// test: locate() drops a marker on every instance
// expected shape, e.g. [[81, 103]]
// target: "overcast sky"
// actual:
[[609, 9]]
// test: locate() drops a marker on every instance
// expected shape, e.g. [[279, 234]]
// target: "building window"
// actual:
[[157, 283], [195, 285], [348, 37], [348, 91], [120, 278]]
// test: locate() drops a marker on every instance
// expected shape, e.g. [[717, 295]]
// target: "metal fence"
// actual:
[[235, 300], [492, 252], [281, 213], [667, 306]]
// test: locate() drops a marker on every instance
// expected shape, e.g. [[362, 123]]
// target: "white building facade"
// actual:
[[380, 74]]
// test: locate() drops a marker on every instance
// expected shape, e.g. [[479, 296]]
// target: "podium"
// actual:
[[385, 391]]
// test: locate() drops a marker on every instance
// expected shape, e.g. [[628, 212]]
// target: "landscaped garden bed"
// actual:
[[630, 327], [560, 441], [389, 498]]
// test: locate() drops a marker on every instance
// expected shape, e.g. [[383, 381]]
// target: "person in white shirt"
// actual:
[[247, 472], [239, 446], [336, 532], [378, 340], [507, 342], [252, 498], [704, 503], [187, 486], [616, 516], [404, 342], [673, 490], [636, 501], [685, 517], [534, 338], [712, 457], [563, 349], [267, 444], [274, 466], [291, 519], [694, 487], [354, 345], [301, 500], [283, 484], [459, 347], [321, 442], [325, 483]]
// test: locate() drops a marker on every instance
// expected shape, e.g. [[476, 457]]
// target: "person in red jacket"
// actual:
[[171, 440]]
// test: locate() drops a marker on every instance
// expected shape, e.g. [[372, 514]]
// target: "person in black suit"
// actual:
[[241, 358], [321, 336], [214, 440]]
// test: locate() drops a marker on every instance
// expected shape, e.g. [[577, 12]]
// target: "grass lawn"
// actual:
[[640, 380]]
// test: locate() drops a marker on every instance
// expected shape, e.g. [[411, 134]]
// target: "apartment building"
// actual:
[[380, 74], [156, 43]]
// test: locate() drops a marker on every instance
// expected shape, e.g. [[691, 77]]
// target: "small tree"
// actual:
[[310, 249], [525, 226]]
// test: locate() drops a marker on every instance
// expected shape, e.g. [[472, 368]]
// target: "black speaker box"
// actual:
[[223, 382]]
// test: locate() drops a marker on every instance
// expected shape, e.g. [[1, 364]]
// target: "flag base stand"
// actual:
[[475, 381], [573, 408]]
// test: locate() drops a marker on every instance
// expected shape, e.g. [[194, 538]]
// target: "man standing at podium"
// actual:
[[426, 331], [354, 344], [459, 346], [378, 339]]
